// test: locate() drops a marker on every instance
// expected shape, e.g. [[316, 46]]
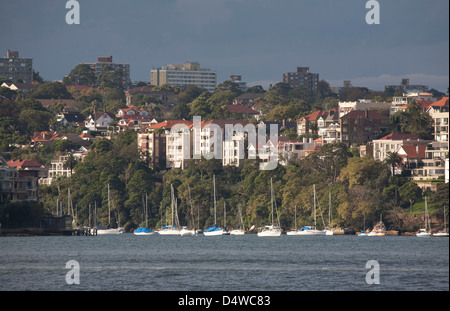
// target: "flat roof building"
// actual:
[[190, 73], [15, 68]]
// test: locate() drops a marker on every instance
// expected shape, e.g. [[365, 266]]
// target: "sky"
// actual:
[[258, 39]]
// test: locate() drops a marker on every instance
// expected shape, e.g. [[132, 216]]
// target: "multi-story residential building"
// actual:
[[439, 111], [302, 77], [152, 146], [237, 79], [309, 123], [184, 75], [18, 183], [58, 168], [161, 147], [405, 86], [361, 126], [229, 146], [362, 104], [293, 149], [15, 68], [393, 142], [105, 64]]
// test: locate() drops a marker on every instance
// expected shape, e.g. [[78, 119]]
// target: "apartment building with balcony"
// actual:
[[182, 75]]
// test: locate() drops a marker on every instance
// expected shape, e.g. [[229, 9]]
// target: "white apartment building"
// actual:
[[184, 75]]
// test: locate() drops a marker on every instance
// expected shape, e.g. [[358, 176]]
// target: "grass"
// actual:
[[418, 208]]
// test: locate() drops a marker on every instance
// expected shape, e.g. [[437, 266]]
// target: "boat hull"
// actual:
[[423, 235], [109, 231], [185, 232], [237, 232], [169, 232], [441, 234], [213, 233]]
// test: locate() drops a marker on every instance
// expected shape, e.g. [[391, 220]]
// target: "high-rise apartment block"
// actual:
[[105, 64], [184, 75], [302, 77], [15, 68]]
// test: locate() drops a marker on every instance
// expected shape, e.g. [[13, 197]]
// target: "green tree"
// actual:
[[393, 160], [82, 74], [410, 192]]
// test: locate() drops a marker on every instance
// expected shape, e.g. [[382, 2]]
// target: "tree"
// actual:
[[82, 74], [393, 160], [51, 90], [410, 192]]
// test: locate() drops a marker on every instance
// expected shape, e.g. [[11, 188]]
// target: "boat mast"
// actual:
[[109, 209], [271, 197], [314, 187], [214, 183]]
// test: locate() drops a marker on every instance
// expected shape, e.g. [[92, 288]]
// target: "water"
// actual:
[[228, 263]]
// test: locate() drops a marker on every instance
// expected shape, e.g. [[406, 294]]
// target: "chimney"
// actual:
[[366, 113], [417, 149]]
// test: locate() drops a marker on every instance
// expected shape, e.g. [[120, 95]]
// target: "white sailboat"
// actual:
[[240, 230], [445, 232], [425, 232], [363, 232], [185, 231], [214, 231], [271, 230], [144, 230], [108, 229], [295, 231], [379, 229], [328, 230], [312, 230], [173, 229]]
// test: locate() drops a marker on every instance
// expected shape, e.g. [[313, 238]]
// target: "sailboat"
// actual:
[[144, 230], [108, 229], [379, 229], [328, 230], [240, 230], [295, 231], [426, 232], [214, 231], [185, 231], [271, 230], [172, 229], [445, 232], [363, 232], [312, 230]]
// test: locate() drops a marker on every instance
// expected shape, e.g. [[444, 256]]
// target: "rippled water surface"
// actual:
[[169, 263]]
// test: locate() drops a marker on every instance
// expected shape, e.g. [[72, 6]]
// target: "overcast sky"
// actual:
[[258, 39]]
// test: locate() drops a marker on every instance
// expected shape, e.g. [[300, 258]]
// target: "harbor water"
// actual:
[[126, 262]]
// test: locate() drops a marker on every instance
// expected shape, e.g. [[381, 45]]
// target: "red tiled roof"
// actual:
[[397, 136], [315, 115], [23, 164], [441, 103], [44, 136], [413, 152], [168, 124], [239, 109]]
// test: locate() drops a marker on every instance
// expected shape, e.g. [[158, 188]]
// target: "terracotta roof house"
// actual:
[[45, 138], [308, 123]]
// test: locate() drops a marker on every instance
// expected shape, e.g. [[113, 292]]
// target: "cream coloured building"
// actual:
[[184, 75]]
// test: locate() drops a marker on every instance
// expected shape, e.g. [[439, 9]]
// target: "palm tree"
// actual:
[[70, 163], [393, 160]]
